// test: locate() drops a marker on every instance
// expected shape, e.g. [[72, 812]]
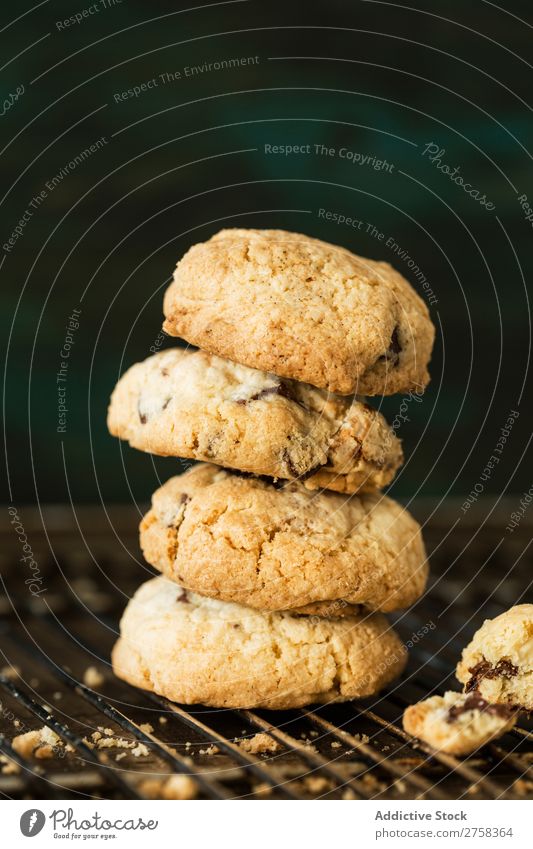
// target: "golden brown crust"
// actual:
[[241, 539], [304, 309], [199, 650], [187, 403]]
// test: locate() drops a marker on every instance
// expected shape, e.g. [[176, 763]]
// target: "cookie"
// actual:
[[498, 662], [192, 649], [239, 538], [458, 723], [303, 309], [187, 403]]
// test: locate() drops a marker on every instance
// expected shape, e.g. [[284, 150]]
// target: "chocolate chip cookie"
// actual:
[[187, 403], [303, 309], [458, 723], [242, 539], [498, 662], [192, 649]]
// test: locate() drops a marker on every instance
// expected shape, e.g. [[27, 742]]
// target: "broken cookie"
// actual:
[[458, 723], [498, 661]]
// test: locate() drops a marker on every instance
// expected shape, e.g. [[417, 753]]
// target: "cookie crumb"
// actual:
[[262, 790], [93, 678], [140, 750], [523, 786], [211, 750], [163, 720], [362, 738], [98, 741], [9, 767], [146, 728], [317, 784], [372, 784], [176, 787], [41, 744], [11, 672], [259, 744], [335, 744]]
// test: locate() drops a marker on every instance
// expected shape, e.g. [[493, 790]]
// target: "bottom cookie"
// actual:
[[192, 649], [458, 723]]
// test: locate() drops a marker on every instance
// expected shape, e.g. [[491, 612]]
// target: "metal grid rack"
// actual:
[[352, 751]]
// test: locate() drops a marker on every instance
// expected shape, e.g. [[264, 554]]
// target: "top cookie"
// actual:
[[498, 661], [304, 309]]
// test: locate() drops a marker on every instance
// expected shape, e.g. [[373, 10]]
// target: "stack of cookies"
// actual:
[[278, 552]]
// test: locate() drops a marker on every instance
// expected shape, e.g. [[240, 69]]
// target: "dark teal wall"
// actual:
[[188, 155]]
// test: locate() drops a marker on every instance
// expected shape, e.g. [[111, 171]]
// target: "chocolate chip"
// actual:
[[503, 669], [167, 402], [184, 498], [395, 347], [269, 390], [476, 702], [392, 354], [142, 416], [183, 597], [287, 459], [282, 388], [506, 669]]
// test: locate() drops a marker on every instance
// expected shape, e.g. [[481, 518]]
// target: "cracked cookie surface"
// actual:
[[187, 403], [458, 723], [303, 309], [192, 649], [240, 538], [498, 661]]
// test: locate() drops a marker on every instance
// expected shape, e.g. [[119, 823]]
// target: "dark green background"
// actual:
[[189, 157]]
